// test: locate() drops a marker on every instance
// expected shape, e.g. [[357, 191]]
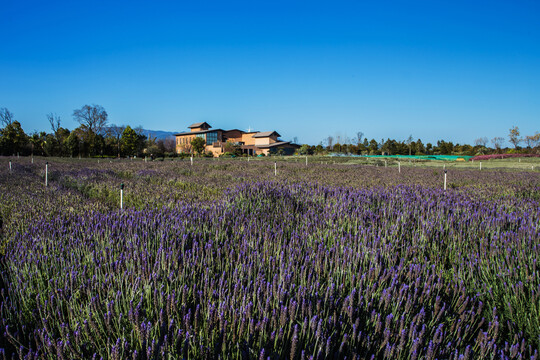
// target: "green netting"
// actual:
[[420, 157]]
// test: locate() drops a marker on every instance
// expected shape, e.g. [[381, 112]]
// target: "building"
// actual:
[[218, 141]]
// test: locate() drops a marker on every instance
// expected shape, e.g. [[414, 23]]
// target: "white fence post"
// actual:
[[121, 196], [46, 174], [444, 180]]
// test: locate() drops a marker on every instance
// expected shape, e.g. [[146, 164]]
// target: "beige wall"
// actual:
[[248, 139]]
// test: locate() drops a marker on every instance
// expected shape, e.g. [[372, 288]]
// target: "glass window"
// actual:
[[211, 138]]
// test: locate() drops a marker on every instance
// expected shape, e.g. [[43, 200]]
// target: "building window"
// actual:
[[211, 138]]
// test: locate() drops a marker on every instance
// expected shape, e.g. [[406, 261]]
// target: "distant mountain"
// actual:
[[158, 134]]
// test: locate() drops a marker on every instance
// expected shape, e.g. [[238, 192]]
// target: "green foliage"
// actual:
[[198, 144], [13, 140], [130, 141]]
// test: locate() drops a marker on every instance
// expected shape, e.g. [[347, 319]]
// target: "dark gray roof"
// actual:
[[199, 124], [197, 132], [265, 134]]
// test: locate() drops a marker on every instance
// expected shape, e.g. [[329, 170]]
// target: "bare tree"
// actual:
[[330, 141], [6, 117], [54, 120], [513, 135], [170, 144], [359, 136], [532, 140], [497, 142], [481, 141], [94, 117]]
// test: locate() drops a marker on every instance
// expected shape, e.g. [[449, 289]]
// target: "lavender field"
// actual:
[[226, 260]]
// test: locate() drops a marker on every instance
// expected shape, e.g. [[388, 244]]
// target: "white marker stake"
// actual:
[[46, 174], [121, 196], [444, 180], [385, 164], [191, 160], [17, 155], [399, 166], [275, 168], [306, 160], [10, 166], [480, 165], [32, 159]]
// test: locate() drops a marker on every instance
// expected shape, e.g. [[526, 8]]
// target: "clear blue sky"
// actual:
[[453, 70]]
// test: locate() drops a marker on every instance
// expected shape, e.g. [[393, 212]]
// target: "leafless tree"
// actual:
[[532, 140], [359, 136], [54, 120], [94, 117], [170, 144], [330, 141], [497, 142], [6, 117], [481, 141]]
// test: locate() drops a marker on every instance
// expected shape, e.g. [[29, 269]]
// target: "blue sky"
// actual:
[[454, 70]]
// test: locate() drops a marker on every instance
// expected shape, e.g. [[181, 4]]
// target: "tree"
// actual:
[[420, 149], [532, 140], [12, 139], [72, 144], [481, 141], [305, 150], [373, 147], [198, 144], [330, 142], [359, 135], [497, 142], [6, 117], [409, 142], [116, 131], [93, 117], [130, 141], [514, 136]]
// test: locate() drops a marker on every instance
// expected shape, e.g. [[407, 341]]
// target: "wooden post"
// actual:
[[480, 165], [275, 168], [191, 158], [399, 166], [306, 160], [46, 174]]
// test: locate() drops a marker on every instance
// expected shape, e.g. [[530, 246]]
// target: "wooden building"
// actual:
[[251, 143]]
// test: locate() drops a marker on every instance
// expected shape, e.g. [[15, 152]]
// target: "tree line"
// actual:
[[93, 137], [96, 137], [360, 145]]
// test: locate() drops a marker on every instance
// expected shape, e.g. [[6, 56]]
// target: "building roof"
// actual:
[[199, 124], [265, 134], [196, 132], [277, 144]]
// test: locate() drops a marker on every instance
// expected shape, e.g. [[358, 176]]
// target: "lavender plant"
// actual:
[[323, 263]]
